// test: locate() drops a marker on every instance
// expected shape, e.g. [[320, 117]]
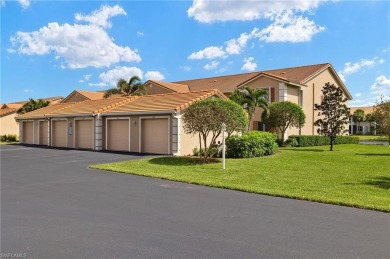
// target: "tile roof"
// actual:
[[133, 104], [178, 88], [298, 75], [366, 109], [7, 111], [165, 102]]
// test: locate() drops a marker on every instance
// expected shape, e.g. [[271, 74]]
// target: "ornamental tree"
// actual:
[[381, 116], [205, 118], [284, 115], [333, 113]]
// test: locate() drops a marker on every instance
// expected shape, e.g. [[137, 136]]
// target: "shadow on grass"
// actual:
[[382, 182], [179, 161], [373, 154]]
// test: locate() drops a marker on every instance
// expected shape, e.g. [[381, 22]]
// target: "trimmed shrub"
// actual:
[[12, 138], [309, 140], [251, 144], [9, 138]]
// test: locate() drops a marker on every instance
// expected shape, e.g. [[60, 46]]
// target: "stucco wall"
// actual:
[[312, 95], [155, 89], [76, 97], [8, 125]]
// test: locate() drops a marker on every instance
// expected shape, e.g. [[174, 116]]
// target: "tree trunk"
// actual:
[[331, 143]]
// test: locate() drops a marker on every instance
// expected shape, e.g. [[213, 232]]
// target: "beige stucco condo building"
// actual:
[[143, 124], [301, 85], [152, 123]]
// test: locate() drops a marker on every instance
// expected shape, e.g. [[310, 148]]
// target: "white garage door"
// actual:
[[59, 133], [118, 138], [155, 136], [28, 132], [43, 133], [84, 134]]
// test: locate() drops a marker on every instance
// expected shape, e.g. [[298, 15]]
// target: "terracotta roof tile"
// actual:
[[164, 102], [230, 82], [7, 111], [366, 109]]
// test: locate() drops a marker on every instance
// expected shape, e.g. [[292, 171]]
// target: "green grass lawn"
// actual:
[[352, 175], [372, 137]]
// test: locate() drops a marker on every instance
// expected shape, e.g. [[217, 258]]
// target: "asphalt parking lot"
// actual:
[[53, 206]]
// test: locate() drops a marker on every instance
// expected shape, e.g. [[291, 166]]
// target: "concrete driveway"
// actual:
[[52, 206]]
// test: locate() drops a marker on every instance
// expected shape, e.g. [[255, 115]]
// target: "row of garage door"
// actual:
[[153, 136]]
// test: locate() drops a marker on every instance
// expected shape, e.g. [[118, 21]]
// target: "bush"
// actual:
[[309, 140], [291, 142], [251, 144], [9, 138], [12, 138]]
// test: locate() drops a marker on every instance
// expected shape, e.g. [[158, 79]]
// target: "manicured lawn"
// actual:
[[372, 137], [352, 175]]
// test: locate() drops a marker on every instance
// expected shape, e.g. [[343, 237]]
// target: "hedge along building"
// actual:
[[144, 124], [300, 85]]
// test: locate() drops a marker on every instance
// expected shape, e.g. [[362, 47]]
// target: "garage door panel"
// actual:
[[43, 133], [59, 134], [84, 134], [118, 135], [28, 132], [155, 135]]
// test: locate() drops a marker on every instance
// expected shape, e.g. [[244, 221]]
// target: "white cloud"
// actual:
[[249, 65], [112, 76], [212, 65], [351, 68], [288, 27], [27, 90], [101, 17], [358, 95], [208, 53], [185, 68], [140, 34], [342, 77], [78, 45], [208, 11], [154, 75], [85, 78], [24, 3], [381, 86], [285, 26], [234, 46]]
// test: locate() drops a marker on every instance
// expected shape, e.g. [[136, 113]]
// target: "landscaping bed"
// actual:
[[352, 175]]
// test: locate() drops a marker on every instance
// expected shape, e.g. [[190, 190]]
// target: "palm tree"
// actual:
[[32, 105], [359, 116], [133, 87], [250, 99]]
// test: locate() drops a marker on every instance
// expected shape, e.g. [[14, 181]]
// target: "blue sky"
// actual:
[[50, 48]]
